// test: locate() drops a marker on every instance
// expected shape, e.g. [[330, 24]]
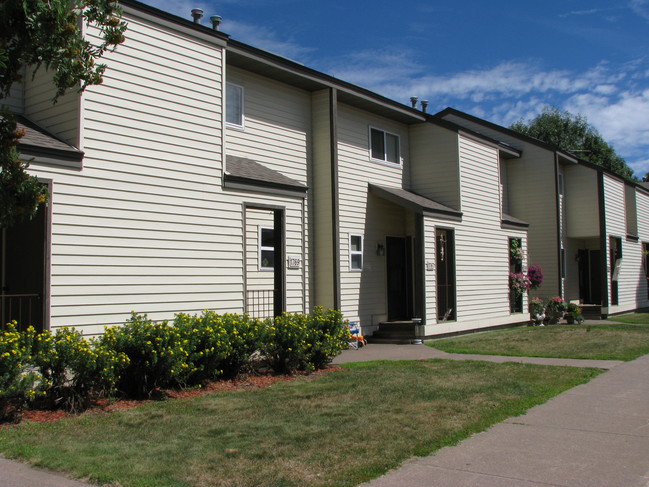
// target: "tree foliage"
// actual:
[[573, 133], [49, 34]]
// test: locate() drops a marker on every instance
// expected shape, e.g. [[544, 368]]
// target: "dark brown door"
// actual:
[[445, 250], [399, 270]]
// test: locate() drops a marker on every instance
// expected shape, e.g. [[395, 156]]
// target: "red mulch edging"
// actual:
[[243, 382]]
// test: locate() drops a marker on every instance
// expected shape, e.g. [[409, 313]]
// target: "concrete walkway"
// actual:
[[596, 434]]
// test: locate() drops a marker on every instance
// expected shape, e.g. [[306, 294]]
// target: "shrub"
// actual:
[[305, 342], [208, 344], [17, 379], [246, 336], [75, 371], [328, 336], [158, 355]]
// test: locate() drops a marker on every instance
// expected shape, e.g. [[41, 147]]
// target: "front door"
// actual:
[[399, 270], [589, 277], [22, 272], [445, 250]]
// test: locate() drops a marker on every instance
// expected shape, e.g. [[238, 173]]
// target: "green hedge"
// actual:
[[64, 369]]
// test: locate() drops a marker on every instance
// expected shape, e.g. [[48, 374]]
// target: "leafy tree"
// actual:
[[46, 34], [573, 133]]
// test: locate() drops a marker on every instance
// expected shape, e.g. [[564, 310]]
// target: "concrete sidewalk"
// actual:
[[596, 434]]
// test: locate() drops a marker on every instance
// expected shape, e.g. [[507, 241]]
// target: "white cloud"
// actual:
[[640, 7], [264, 38]]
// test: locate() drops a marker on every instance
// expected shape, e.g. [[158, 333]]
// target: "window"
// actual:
[[561, 185], [234, 105], [384, 146], [355, 252], [563, 263], [266, 249]]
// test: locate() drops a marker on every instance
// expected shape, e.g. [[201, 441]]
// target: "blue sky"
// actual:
[[498, 60]]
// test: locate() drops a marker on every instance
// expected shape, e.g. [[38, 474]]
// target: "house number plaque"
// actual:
[[294, 262], [429, 266]]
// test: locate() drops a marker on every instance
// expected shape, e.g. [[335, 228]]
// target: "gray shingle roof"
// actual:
[[243, 170], [514, 221], [412, 200], [40, 139]]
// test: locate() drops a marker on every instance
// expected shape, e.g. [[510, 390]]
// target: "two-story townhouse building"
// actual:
[[305, 191], [587, 227]]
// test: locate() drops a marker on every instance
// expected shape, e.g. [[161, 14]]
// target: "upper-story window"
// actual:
[[234, 105], [355, 252], [384, 146]]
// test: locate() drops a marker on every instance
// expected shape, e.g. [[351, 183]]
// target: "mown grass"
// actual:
[[633, 318], [602, 342], [337, 429]]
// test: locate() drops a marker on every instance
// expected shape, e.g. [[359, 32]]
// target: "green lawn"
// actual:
[[604, 342], [633, 318], [335, 429]]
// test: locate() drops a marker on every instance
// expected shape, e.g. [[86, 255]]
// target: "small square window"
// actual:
[[356, 252], [384, 146], [234, 105], [266, 249]]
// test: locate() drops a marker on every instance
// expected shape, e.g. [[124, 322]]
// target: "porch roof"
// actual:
[[510, 221], [38, 142], [413, 201], [244, 173]]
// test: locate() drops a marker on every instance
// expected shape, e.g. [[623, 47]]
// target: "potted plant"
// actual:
[[537, 311], [535, 275], [555, 309], [573, 314]]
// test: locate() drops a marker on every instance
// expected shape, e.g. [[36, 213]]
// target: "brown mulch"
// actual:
[[243, 382]]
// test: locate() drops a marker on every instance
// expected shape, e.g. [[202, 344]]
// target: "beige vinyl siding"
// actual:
[[15, 100], [533, 199], [434, 167], [61, 118], [631, 271], [430, 280], [277, 124], [363, 294], [321, 227], [582, 202], [144, 226], [482, 247], [642, 203]]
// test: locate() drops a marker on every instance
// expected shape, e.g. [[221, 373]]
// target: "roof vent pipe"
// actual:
[[424, 105], [216, 21], [413, 101], [197, 14]]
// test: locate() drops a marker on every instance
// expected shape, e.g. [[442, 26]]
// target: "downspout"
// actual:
[[333, 134], [603, 252], [557, 201]]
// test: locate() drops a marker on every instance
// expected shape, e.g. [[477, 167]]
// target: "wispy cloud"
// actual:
[[640, 7], [267, 39]]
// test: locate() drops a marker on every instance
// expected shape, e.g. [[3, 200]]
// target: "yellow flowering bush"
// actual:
[[328, 336], [246, 336], [18, 380], [74, 370], [158, 355]]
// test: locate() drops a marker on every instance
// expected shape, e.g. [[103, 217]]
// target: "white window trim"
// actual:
[[262, 248], [243, 116], [356, 252], [384, 161]]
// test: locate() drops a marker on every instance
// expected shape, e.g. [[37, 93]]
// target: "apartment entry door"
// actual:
[[590, 283], [399, 273], [22, 272]]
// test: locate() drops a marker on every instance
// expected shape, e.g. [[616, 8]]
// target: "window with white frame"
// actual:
[[355, 252], [234, 105], [266, 249], [384, 146]]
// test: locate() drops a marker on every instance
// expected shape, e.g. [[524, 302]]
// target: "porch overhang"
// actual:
[[512, 223], [248, 175], [414, 202], [40, 146]]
